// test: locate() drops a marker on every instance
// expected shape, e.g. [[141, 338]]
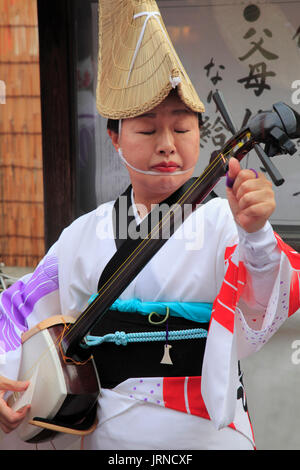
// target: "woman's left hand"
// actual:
[[251, 198]]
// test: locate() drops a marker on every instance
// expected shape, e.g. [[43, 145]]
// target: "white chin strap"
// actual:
[[155, 173], [145, 172]]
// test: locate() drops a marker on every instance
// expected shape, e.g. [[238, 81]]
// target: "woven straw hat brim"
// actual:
[[130, 85]]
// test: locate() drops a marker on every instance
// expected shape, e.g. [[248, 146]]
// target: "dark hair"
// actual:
[[113, 124]]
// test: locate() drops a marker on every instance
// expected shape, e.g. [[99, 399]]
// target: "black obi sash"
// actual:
[[116, 363]]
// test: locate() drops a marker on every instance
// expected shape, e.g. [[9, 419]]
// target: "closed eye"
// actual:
[[153, 132]]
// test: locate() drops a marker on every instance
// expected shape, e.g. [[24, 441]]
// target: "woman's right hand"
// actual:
[[9, 419]]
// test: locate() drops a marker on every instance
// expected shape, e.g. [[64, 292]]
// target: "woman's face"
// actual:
[[165, 139]]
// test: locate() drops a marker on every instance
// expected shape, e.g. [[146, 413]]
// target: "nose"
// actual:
[[165, 144]]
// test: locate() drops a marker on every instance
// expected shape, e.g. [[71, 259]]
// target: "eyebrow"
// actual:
[[174, 112]]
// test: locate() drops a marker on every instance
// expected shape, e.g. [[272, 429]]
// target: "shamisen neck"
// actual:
[[143, 203]]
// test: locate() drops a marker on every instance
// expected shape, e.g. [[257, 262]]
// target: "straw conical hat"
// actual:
[[138, 65]]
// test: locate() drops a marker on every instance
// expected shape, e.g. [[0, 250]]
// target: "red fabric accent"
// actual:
[[294, 257], [196, 403], [174, 397], [173, 393], [229, 251], [223, 316], [294, 303], [232, 273], [229, 294]]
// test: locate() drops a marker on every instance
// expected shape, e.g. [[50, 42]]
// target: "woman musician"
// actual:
[[171, 394]]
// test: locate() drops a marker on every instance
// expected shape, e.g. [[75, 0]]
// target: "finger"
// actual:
[[9, 427], [250, 198], [11, 419], [13, 385], [260, 210], [261, 187], [246, 175], [233, 170], [5, 428]]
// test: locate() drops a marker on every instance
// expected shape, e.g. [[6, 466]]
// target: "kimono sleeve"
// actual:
[[28, 301], [231, 335], [255, 328]]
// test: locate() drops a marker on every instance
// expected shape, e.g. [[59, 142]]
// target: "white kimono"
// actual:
[[190, 267]]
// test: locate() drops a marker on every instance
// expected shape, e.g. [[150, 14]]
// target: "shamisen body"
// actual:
[[146, 410]]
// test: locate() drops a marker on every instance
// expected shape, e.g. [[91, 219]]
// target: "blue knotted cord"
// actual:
[[122, 338]]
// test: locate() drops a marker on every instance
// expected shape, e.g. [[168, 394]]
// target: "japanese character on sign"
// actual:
[[258, 72], [257, 46], [215, 131], [257, 78], [213, 78]]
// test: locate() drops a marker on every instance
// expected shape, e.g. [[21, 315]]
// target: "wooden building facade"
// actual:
[[21, 170]]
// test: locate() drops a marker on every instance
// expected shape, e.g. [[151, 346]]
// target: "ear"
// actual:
[[114, 138]]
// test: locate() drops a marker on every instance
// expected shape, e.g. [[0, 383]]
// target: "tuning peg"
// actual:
[[284, 143], [269, 166], [290, 119], [264, 158], [220, 103]]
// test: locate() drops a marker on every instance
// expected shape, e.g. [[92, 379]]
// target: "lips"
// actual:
[[166, 167]]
